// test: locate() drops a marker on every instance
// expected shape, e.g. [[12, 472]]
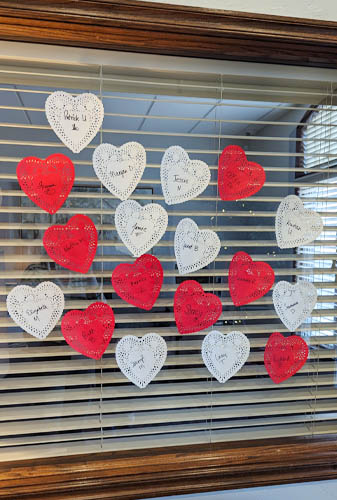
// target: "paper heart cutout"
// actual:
[[120, 169], [195, 310], [284, 356], [46, 182], [140, 359], [75, 120], [224, 355], [140, 228], [296, 225], [182, 179], [294, 303], [89, 332], [139, 284], [36, 310], [237, 177], [74, 245], [194, 248], [248, 280]]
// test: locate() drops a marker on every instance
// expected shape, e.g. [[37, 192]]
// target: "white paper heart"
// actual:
[[225, 355], [194, 248], [36, 310], [296, 225], [140, 359], [140, 228], [75, 120], [182, 179], [294, 303], [120, 169]]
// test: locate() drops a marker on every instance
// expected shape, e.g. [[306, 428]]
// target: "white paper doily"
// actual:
[[75, 120], [140, 228], [140, 359], [120, 169], [225, 355], [194, 248], [182, 179], [294, 303], [36, 310], [296, 225]]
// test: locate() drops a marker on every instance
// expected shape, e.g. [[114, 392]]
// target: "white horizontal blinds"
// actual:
[[53, 400]]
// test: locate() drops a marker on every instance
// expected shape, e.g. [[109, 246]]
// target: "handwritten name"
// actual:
[[35, 312]]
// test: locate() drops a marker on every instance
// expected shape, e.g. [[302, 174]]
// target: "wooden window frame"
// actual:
[[183, 31]]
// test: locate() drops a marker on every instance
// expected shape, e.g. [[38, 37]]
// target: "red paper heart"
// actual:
[[74, 245], [139, 284], [284, 356], [248, 280], [237, 177], [46, 182], [89, 332], [195, 310]]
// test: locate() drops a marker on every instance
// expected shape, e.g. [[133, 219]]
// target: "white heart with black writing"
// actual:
[[294, 303], [36, 310], [296, 225], [140, 228], [194, 248], [182, 179], [140, 359], [75, 120], [225, 355], [120, 169]]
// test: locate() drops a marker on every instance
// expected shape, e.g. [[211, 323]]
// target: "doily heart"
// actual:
[[46, 182], [294, 303], [194, 248], [75, 120], [284, 356], [139, 284], [296, 225], [36, 310], [182, 179], [248, 280], [120, 169], [74, 245], [195, 310], [140, 359], [237, 177], [89, 332], [140, 228], [224, 355]]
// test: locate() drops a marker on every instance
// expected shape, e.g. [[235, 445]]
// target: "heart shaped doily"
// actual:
[[89, 332], [120, 169], [296, 225], [140, 359], [139, 284], [225, 355], [36, 310], [182, 179], [294, 303], [46, 182], [194, 248], [140, 228], [75, 120], [74, 245], [284, 356]]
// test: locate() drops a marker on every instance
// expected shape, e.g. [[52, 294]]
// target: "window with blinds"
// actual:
[[56, 402]]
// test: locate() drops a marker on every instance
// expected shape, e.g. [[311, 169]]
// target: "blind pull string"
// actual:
[[102, 269]]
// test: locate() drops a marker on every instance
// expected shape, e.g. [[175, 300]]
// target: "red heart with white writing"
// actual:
[[284, 356], [248, 280], [46, 182], [237, 177], [74, 245], [139, 284], [89, 332], [195, 310]]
